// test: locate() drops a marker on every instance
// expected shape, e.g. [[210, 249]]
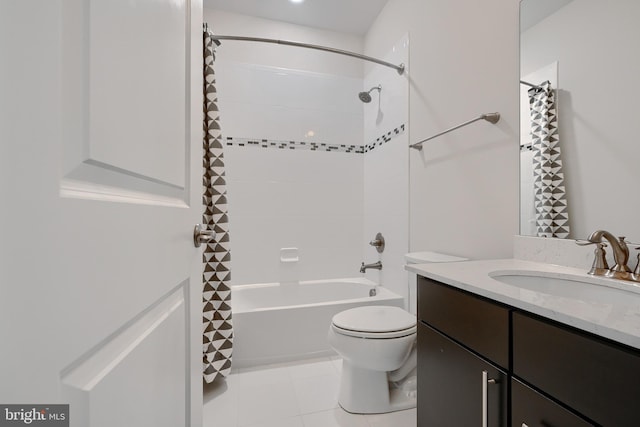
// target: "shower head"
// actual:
[[365, 97]]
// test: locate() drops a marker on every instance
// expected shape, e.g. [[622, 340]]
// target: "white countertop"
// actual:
[[607, 307]]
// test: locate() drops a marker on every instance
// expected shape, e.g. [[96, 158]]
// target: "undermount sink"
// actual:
[[591, 288]]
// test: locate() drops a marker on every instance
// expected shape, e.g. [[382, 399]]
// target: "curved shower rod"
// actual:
[[490, 117], [398, 68]]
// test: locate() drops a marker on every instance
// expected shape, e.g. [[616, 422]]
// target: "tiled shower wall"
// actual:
[[285, 190], [290, 194], [300, 148], [281, 198]]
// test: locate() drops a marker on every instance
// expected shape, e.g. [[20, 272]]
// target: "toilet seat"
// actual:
[[377, 322], [374, 335]]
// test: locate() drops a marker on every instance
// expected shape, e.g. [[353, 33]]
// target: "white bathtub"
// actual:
[[277, 323]]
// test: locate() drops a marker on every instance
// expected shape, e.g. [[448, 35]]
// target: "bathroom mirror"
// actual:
[[589, 51]]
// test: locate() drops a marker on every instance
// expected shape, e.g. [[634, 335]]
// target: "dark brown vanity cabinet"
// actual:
[[531, 409], [456, 387], [593, 376], [483, 363], [463, 355]]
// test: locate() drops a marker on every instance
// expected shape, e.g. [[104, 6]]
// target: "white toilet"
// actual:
[[378, 349], [377, 345]]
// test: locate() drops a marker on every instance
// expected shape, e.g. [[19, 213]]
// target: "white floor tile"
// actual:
[[266, 402], [334, 418], [287, 422], [406, 418], [312, 368], [317, 393], [220, 403], [263, 375], [295, 394]]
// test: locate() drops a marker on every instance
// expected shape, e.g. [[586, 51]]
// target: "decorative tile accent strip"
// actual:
[[292, 145], [313, 146], [384, 138]]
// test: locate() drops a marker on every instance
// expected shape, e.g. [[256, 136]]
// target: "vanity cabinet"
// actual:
[[545, 374], [463, 357], [531, 409], [456, 387], [593, 376]]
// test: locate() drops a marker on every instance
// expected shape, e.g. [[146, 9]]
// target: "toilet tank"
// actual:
[[424, 257], [428, 257]]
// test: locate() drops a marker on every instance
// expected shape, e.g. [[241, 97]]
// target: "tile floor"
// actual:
[[294, 394]]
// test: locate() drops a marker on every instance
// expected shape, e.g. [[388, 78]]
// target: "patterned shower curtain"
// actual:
[[552, 218], [218, 330]]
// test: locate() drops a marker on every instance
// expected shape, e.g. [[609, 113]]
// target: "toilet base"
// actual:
[[364, 391]]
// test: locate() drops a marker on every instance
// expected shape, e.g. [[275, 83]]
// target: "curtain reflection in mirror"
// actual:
[[552, 218]]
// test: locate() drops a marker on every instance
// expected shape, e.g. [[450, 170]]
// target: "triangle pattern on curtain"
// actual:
[[552, 217], [217, 340]]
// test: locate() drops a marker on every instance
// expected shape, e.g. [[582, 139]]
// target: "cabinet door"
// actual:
[[598, 379], [531, 409], [450, 385], [483, 326]]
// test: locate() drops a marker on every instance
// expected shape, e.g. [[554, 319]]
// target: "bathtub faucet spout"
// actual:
[[375, 265]]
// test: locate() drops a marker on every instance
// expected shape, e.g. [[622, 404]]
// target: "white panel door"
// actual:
[[100, 170]]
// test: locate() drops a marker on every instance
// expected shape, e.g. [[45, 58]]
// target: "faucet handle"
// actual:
[[378, 243], [600, 266], [600, 261], [636, 246]]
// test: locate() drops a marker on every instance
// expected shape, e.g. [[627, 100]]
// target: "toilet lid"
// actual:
[[375, 319]]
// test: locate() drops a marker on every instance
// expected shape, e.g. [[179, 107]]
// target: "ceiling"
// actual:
[[345, 16], [352, 16]]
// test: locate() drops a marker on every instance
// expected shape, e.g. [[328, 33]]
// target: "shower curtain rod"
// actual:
[[490, 117], [398, 68]]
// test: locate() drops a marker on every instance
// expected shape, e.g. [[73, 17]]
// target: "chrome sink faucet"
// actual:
[[619, 246], [375, 265], [620, 255]]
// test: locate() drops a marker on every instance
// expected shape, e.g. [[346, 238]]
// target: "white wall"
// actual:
[[281, 198], [595, 44], [463, 62], [386, 171]]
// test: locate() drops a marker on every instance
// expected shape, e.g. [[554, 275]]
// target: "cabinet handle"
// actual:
[[485, 397]]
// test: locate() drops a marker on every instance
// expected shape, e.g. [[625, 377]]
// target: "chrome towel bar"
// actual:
[[490, 117]]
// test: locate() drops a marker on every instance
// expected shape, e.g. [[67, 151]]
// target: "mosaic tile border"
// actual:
[[291, 145], [314, 146], [383, 139]]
